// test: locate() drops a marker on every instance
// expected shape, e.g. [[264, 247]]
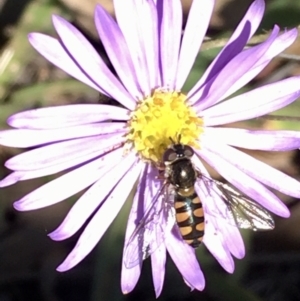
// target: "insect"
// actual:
[[176, 204], [181, 174]]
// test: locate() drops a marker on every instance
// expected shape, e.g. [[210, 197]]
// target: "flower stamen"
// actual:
[[159, 117]]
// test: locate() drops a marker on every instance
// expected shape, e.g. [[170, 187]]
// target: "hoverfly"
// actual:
[[182, 207], [181, 174]]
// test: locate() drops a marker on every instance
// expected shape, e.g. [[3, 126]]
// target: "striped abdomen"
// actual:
[[189, 216]]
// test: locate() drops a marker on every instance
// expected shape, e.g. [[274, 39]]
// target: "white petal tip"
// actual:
[[56, 18], [65, 266], [18, 206], [158, 292], [240, 255], [286, 214], [31, 37], [199, 287], [6, 183], [55, 236], [61, 269], [24, 206]]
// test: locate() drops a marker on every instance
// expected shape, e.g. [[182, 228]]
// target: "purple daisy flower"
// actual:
[[152, 60]]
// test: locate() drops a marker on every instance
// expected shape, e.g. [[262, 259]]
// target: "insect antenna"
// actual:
[[178, 138], [173, 142]]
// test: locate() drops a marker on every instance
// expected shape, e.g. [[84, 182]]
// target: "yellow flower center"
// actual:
[[158, 119]]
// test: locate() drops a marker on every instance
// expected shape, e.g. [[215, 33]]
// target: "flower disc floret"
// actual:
[[160, 117]]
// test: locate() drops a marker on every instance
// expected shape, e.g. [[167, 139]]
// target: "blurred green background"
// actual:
[[271, 268]]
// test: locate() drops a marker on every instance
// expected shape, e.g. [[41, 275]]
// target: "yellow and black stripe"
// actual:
[[189, 216]]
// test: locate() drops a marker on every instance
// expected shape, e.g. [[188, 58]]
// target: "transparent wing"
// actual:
[[240, 209], [149, 233]]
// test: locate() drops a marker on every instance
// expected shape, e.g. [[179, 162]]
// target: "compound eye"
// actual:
[[169, 155], [188, 151]]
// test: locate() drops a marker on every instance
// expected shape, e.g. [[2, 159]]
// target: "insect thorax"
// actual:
[[181, 174]]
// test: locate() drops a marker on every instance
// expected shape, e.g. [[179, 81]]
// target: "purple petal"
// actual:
[[78, 150], [158, 262], [170, 35], [132, 253], [147, 21], [29, 138], [153, 185], [117, 50], [213, 237], [212, 92], [62, 187], [156, 238], [21, 175], [256, 169], [255, 139], [235, 45], [102, 219], [54, 52], [110, 174], [245, 183], [216, 245], [195, 30], [185, 259], [255, 103], [77, 45], [150, 236], [233, 240], [247, 65], [226, 225], [130, 276], [64, 116], [215, 207], [130, 28], [280, 44]]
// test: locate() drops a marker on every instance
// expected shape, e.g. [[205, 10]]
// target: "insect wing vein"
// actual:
[[149, 233], [239, 210], [247, 213]]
